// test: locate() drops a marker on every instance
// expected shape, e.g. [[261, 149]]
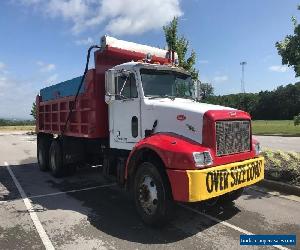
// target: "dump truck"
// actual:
[[135, 115]]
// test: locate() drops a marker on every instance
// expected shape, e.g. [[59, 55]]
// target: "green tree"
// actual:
[[180, 44], [206, 90], [282, 103], [33, 110], [289, 48], [297, 120]]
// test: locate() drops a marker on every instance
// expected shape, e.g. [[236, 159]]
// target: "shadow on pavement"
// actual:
[[110, 209], [8, 190], [251, 194]]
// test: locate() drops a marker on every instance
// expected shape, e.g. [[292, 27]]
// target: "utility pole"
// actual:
[[243, 76]]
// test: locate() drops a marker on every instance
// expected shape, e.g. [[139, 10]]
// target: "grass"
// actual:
[[282, 166], [17, 128], [276, 127]]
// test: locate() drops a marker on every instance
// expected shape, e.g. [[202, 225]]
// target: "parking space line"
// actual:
[[64, 192], [41, 231], [71, 191], [243, 231]]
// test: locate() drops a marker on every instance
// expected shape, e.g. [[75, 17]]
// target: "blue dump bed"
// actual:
[[63, 89]]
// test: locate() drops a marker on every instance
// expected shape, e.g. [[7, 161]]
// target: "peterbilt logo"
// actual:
[[232, 113], [181, 117]]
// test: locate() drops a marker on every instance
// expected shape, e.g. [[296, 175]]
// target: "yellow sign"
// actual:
[[212, 182]]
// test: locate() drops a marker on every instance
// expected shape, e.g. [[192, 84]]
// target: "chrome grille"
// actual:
[[232, 137]]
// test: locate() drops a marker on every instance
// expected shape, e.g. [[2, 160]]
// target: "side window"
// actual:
[[126, 87], [133, 88]]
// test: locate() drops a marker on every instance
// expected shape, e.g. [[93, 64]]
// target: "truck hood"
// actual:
[[180, 116]]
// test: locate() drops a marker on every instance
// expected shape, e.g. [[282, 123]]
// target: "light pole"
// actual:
[[243, 76]]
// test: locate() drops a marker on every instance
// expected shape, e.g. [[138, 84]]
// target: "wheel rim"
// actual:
[[148, 195]]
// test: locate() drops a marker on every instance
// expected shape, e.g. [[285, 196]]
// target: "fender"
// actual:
[[174, 150]]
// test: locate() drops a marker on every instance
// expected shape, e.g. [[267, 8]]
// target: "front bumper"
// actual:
[[199, 185]]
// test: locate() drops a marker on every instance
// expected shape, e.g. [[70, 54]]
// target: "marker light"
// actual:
[[257, 149], [148, 57], [202, 159]]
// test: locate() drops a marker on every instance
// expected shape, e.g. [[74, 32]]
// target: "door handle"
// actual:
[[134, 126]]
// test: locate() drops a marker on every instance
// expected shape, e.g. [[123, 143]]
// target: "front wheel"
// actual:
[[152, 195]]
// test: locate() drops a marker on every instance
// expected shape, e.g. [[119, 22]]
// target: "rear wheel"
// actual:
[[56, 159], [43, 146], [152, 195]]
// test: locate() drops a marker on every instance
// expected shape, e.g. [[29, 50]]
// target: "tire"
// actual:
[[229, 198], [43, 146], [152, 195], [56, 159]]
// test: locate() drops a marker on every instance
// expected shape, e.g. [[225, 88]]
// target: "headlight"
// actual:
[[257, 149], [202, 159]]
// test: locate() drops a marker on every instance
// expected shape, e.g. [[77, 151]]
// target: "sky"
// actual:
[[44, 42]]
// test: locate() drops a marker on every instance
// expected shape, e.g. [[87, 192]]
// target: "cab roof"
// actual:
[[130, 65]]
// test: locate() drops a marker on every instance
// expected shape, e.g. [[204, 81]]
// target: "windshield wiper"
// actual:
[[163, 96]]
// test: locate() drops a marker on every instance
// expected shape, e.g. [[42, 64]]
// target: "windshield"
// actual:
[[166, 83]]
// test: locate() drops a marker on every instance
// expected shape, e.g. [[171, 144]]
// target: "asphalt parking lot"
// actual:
[[85, 211]]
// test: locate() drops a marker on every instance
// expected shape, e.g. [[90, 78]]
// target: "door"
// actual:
[[124, 112]]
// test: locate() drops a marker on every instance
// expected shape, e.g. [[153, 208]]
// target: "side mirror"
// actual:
[[109, 83], [109, 86], [125, 74]]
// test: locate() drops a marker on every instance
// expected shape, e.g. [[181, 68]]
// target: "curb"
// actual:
[[280, 186], [278, 135]]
